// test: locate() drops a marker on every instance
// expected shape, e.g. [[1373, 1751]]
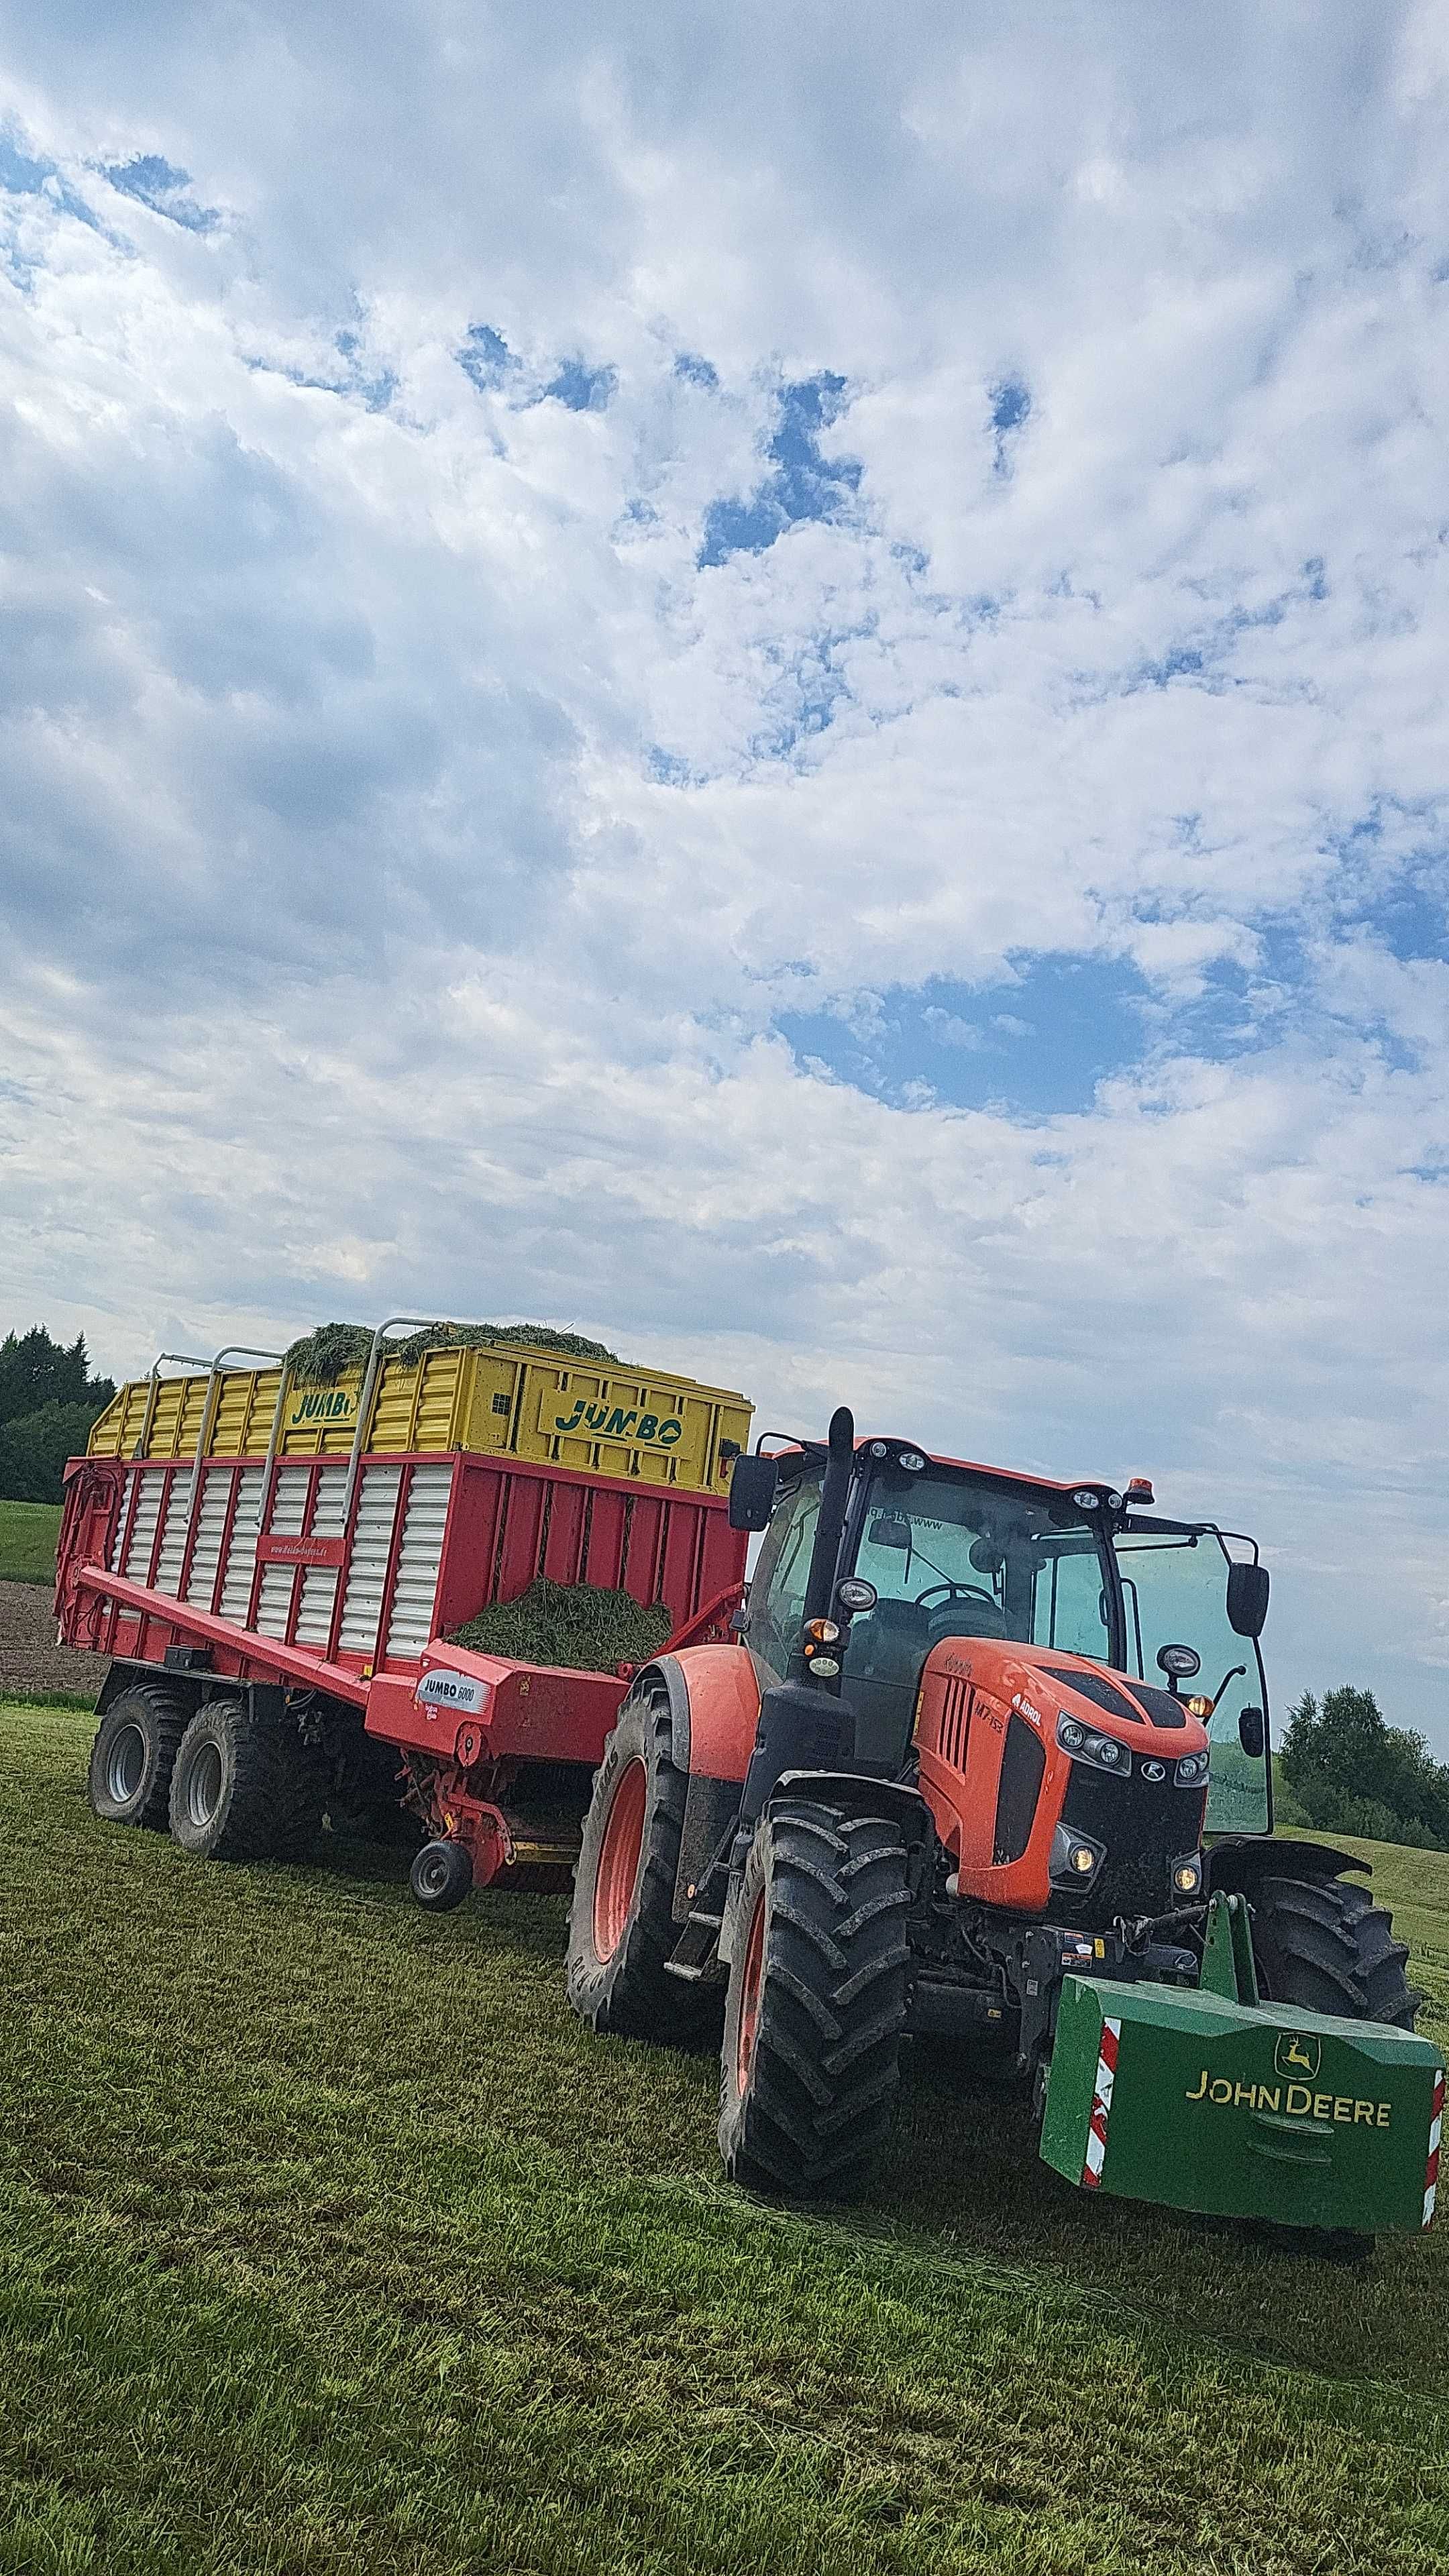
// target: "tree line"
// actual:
[[48, 1401], [1343, 1770]]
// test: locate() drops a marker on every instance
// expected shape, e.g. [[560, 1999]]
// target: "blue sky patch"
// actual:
[[582, 388], [154, 183], [805, 483], [1038, 1046], [486, 357]]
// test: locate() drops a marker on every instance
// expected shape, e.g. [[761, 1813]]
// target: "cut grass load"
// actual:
[[28, 1533], [330, 2241], [577, 1625]]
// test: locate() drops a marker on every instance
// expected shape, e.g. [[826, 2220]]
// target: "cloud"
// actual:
[[901, 857]]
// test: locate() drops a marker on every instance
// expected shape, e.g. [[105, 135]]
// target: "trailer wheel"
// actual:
[[1324, 1944], [129, 1782], [816, 2008], [441, 1876], [243, 1788], [622, 1928]]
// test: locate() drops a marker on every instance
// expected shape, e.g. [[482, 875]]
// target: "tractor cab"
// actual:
[[933, 1549]]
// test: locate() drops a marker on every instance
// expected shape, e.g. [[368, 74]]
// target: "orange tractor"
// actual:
[[988, 1745]]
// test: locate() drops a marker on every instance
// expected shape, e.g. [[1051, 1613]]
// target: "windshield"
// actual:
[[1174, 1592], [976, 1556]]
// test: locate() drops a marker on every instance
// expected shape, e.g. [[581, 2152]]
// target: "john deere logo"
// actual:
[[1297, 2054]]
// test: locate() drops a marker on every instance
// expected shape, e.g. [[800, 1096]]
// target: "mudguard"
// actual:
[[714, 1712], [1236, 1863]]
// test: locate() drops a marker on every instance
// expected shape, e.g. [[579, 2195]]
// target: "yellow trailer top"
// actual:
[[601, 1417]]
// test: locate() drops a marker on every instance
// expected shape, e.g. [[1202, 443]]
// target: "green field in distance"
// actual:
[[28, 1532]]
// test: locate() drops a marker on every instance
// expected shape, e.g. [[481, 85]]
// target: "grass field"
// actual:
[[28, 1532], [330, 2242]]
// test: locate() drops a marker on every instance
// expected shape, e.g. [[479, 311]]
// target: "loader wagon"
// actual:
[[275, 1569]]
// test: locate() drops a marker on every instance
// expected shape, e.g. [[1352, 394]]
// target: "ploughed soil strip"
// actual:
[[30, 1659]]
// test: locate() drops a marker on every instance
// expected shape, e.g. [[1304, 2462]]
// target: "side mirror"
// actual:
[[1251, 1732], [1247, 1599], [752, 1492]]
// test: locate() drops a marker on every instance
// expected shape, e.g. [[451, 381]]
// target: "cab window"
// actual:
[[777, 1588], [1174, 1591]]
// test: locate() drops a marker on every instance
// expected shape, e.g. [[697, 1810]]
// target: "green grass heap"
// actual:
[[574, 1624], [321, 1357]]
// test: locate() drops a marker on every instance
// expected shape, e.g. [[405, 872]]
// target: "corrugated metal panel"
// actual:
[[143, 1533], [241, 1556], [173, 1535], [319, 1583], [113, 1552], [419, 1557], [210, 1523], [274, 1599], [367, 1564], [289, 1502]]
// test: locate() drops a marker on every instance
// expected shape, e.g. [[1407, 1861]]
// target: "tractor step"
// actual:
[[694, 1961]]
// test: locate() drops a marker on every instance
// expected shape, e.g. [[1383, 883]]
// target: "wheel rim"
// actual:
[[203, 1784], [619, 1857], [433, 1873], [126, 1767], [752, 1981]]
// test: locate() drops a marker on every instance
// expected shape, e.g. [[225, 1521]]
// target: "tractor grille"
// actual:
[[1145, 1825]]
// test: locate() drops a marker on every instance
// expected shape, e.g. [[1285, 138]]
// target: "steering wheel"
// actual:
[[959, 1592]]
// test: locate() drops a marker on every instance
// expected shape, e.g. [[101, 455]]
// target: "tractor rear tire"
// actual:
[[622, 1927], [244, 1788], [816, 2008], [1324, 1944], [129, 1782]]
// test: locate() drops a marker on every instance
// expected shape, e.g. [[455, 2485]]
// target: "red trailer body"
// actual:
[[266, 1578]]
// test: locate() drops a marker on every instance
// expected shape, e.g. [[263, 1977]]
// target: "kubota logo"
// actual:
[[1297, 2053]]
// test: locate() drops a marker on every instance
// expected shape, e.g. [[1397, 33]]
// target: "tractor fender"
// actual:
[[859, 1793], [1237, 1863], [714, 1709], [714, 1712]]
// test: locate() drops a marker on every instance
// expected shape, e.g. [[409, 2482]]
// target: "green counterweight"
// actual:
[[1239, 2109]]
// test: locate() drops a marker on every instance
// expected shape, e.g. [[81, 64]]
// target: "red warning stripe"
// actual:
[[1101, 2105], [1436, 2131]]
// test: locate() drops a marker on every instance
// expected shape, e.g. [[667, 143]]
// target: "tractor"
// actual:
[[988, 1761]]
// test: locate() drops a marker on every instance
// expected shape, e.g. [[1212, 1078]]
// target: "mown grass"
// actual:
[[28, 1533], [330, 2242]]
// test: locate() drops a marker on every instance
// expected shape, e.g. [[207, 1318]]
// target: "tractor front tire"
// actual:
[[816, 2007], [1324, 1944], [129, 1782], [622, 1927], [244, 1788]]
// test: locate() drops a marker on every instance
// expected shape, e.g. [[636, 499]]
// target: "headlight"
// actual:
[[1075, 1858], [1187, 1874], [1085, 1745], [855, 1593], [1193, 1766]]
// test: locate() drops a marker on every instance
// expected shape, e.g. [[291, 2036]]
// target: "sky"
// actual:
[[765, 682]]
